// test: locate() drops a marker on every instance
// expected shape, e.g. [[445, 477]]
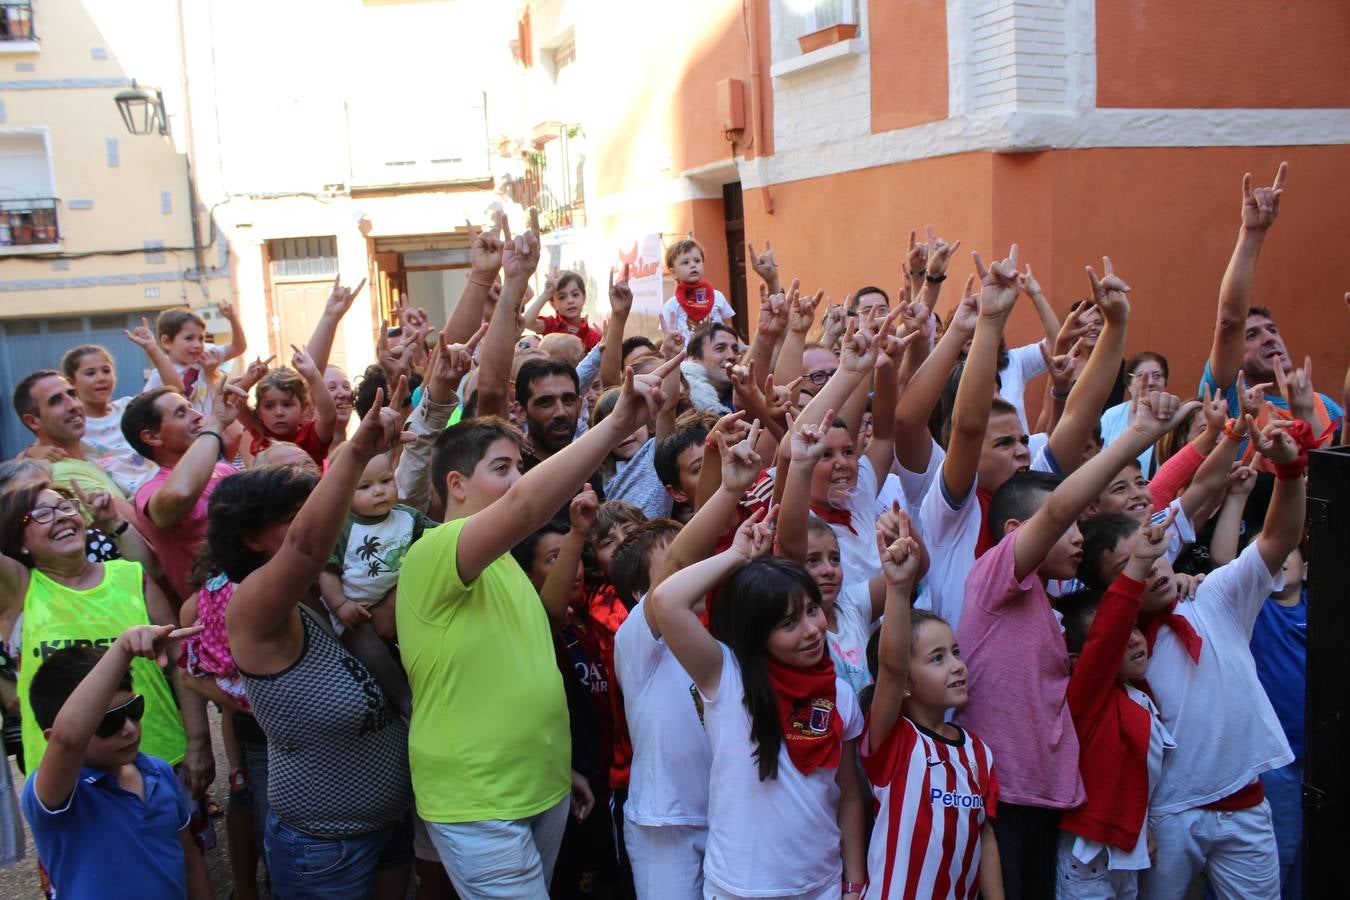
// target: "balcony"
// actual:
[[27, 225], [16, 27], [553, 180]]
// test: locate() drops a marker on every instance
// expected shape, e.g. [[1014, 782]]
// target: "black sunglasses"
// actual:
[[115, 718]]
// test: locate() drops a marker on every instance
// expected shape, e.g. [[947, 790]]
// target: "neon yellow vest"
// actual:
[[55, 616]]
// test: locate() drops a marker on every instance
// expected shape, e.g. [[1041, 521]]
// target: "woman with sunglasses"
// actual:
[[68, 601]]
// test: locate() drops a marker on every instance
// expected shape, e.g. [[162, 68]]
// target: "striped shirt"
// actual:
[[934, 794]]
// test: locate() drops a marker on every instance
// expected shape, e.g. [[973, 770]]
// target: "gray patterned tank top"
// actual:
[[337, 752]]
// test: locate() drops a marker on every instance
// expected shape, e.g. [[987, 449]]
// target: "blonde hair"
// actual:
[[286, 380], [680, 247]]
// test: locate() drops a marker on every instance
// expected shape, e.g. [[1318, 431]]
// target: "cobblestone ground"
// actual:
[[20, 882]]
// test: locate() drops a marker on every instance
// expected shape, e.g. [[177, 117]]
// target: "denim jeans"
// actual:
[[306, 866], [1284, 790]]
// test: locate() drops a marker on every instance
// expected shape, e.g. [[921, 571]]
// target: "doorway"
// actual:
[[734, 213]]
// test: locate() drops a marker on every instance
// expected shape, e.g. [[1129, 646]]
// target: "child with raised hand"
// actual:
[[182, 338], [96, 804], [567, 292], [935, 785], [292, 405], [785, 814], [1103, 844], [695, 301], [1020, 710]]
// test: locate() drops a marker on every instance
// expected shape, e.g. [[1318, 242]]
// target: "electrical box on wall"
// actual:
[[731, 104]]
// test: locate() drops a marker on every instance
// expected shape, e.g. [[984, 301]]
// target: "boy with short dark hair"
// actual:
[[678, 461], [98, 807]]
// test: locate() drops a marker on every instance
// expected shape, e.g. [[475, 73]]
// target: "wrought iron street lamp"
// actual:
[[143, 110]]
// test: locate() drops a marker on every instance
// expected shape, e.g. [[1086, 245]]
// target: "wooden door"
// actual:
[[299, 304]]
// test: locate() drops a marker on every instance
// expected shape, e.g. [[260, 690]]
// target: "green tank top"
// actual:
[[55, 616]]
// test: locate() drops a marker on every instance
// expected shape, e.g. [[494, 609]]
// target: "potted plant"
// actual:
[[832, 34]]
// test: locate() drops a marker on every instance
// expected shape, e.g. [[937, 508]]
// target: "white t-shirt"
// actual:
[[1225, 728], [1114, 422], [199, 394], [374, 554], [1024, 364], [721, 312], [775, 838], [848, 645], [668, 778], [858, 547], [112, 453]]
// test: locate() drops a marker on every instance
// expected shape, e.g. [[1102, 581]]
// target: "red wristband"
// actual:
[[1291, 470]]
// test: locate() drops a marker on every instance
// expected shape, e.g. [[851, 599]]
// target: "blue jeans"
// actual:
[[306, 866], [1284, 790]]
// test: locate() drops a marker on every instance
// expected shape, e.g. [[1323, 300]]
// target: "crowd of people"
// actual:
[[869, 604]]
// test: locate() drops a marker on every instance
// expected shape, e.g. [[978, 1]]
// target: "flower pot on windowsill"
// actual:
[[834, 34]]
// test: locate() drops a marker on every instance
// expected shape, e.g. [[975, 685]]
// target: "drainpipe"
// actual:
[[199, 257], [756, 97]]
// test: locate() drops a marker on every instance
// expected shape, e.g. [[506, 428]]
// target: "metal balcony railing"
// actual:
[[16, 20], [28, 222]]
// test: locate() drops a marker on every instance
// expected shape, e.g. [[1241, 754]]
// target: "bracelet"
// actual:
[[1292, 470], [1056, 395], [919, 275], [1230, 430], [214, 434], [936, 279], [478, 278], [121, 529]]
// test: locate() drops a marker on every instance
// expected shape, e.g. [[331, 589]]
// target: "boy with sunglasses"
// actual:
[[100, 809]]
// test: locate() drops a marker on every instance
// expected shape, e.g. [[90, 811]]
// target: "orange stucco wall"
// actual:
[[908, 52], [653, 138], [1167, 218], [1216, 53]]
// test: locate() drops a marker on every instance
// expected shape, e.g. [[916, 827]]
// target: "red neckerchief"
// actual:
[[695, 299], [985, 541], [835, 516], [190, 375], [812, 728], [1182, 628]]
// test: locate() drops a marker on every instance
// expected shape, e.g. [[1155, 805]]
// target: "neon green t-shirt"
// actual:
[[489, 737], [56, 616]]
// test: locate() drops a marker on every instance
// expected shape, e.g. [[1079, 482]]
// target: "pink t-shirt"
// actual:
[[1019, 673], [177, 546]]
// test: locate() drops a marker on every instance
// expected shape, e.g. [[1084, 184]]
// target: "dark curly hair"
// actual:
[[244, 504]]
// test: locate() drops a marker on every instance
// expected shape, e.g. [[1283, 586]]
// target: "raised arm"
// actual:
[[263, 604], [740, 465], [84, 709], [620, 306], [765, 266], [485, 259], [1087, 399], [238, 340], [520, 258], [325, 410], [773, 321], [533, 499], [935, 270], [674, 601], [801, 313], [1044, 311], [1283, 527], [1152, 417], [807, 445], [174, 499], [913, 444], [320, 345], [556, 592], [900, 568], [144, 337], [975, 394], [1260, 207]]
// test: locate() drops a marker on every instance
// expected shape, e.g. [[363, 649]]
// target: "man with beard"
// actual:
[[549, 394], [47, 404], [1246, 339]]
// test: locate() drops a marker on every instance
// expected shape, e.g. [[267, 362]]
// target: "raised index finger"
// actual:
[[670, 365]]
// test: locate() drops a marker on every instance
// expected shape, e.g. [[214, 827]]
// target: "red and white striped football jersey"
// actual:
[[933, 796]]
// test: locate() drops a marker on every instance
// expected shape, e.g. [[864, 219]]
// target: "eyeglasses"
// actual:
[[45, 515], [115, 718], [820, 376]]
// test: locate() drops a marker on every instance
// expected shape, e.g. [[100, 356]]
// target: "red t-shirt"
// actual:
[[581, 328], [305, 439]]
